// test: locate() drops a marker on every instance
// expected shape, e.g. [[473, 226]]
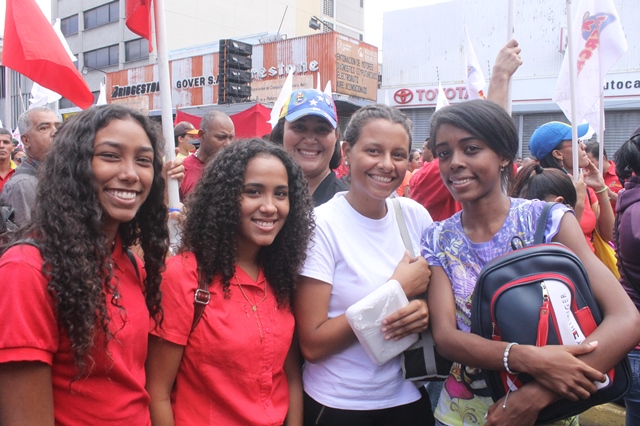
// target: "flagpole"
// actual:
[[511, 30], [166, 108], [572, 83], [601, 134], [7, 98]]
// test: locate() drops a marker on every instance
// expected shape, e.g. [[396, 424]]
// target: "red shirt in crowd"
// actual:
[[226, 376], [428, 189], [113, 392], [193, 169]]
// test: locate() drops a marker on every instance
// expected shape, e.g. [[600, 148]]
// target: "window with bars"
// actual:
[[327, 8]]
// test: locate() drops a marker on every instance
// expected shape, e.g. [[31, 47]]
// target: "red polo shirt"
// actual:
[[226, 376], [113, 393], [612, 181]]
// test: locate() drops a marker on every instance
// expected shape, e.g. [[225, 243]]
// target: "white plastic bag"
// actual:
[[365, 318]]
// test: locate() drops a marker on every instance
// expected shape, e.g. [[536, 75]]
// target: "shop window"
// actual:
[[136, 49], [101, 58], [69, 25], [102, 15]]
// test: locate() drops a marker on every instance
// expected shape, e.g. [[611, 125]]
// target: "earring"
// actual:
[[501, 169], [346, 163]]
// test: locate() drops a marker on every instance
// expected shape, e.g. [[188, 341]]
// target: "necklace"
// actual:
[[254, 307]]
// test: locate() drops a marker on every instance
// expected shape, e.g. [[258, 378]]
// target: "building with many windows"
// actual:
[[97, 34], [96, 29]]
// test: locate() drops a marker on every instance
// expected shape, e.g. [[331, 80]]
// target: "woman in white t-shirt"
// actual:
[[356, 249]]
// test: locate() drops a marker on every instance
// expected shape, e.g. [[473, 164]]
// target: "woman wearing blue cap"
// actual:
[[308, 130], [551, 145]]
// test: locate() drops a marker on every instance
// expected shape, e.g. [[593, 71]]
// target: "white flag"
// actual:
[[441, 100], [475, 79], [102, 97], [285, 92], [598, 43]]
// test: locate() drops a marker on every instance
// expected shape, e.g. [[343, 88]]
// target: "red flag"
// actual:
[[138, 18], [32, 48]]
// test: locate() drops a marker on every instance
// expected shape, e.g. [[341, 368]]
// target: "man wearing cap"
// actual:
[[183, 134], [216, 132], [551, 144]]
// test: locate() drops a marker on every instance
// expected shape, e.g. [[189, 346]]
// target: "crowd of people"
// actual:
[[245, 324]]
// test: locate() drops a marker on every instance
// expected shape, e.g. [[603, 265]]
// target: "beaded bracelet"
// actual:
[[505, 358], [600, 191]]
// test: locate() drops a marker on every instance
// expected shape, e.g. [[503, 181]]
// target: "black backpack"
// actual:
[[513, 301]]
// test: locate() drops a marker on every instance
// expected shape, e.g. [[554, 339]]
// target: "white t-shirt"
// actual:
[[356, 255]]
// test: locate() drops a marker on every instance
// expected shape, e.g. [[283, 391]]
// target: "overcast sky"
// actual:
[[373, 12]]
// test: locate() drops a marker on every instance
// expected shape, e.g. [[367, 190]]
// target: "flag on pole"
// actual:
[[41, 96], [475, 79], [102, 97], [138, 18], [598, 44], [32, 48], [441, 100], [285, 92]]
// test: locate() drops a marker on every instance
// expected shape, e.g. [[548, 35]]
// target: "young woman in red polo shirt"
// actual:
[[245, 234], [75, 303]]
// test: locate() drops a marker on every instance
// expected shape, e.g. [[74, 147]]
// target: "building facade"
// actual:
[[426, 44], [97, 34]]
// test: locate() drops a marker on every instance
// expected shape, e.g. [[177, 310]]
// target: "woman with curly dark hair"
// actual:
[[233, 360], [76, 302]]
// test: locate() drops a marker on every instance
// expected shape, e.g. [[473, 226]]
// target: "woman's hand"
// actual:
[[593, 178], [557, 368], [413, 274], [521, 407], [413, 318]]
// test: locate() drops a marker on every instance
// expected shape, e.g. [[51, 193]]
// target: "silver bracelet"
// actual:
[[505, 358]]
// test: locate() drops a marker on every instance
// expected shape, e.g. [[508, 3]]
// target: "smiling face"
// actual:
[[264, 204], [123, 168], [378, 161], [310, 140], [468, 167]]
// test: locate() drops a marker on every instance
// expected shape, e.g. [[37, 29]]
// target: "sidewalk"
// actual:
[[603, 415]]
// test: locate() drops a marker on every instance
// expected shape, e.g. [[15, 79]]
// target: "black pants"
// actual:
[[414, 414]]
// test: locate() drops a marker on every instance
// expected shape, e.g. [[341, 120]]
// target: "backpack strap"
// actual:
[[200, 301], [402, 224], [542, 223], [132, 258]]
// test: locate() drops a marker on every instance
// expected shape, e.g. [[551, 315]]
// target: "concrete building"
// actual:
[[96, 29], [97, 34], [426, 44]]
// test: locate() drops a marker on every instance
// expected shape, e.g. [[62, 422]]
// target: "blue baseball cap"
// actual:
[[310, 102], [548, 136]]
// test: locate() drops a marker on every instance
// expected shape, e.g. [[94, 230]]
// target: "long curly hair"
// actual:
[[67, 225], [211, 227]]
